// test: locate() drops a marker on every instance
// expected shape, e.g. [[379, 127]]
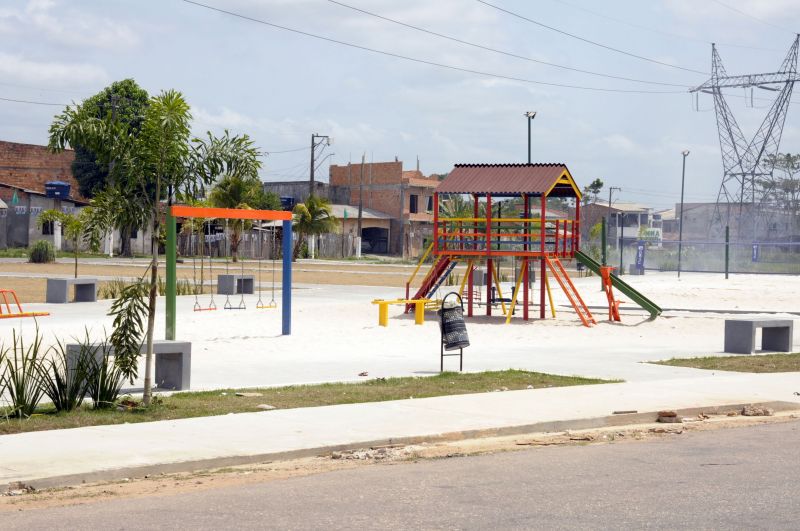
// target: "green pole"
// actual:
[[727, 248], [171, 275]]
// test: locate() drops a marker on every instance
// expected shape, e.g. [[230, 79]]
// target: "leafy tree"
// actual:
[[126, 101], [75, 227], [313, 217], [592, 191], [152, 160], [784, 191]]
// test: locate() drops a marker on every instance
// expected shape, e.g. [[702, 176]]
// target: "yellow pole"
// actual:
[[516, 291], [549, 295], [383, 313], [419, 312], [464, 280], [499, 293]]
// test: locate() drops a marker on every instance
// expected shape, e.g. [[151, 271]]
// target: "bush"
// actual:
[[21, 377], [66, 386], [105, 377], [42, 252]]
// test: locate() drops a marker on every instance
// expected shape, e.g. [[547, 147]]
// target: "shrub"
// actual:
[[105, 377], [42, 252], [21, 376], [63, 384]]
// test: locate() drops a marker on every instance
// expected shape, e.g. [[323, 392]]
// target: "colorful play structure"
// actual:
[[482, 214], [182, 211], [15, 311]]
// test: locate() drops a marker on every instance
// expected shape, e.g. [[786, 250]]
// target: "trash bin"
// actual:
[[453, 328]]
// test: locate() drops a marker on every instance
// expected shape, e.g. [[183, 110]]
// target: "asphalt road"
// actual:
[[744, 478]]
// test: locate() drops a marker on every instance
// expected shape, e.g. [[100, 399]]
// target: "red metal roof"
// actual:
[[534, 179]]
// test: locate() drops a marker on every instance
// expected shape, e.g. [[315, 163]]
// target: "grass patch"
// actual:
[[224, 401], [756, 363]]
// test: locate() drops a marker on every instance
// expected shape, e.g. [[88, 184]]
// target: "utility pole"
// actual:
[[531, 115], [685, 154], [316, 140]]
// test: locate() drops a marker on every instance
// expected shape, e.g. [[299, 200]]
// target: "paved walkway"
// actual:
[[108, 452]]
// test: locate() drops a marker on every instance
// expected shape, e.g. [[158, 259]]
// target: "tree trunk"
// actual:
[[298, 245], [75, 243], [126, 249], [151, 306]]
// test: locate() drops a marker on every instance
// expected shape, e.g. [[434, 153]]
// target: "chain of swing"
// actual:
[[199, 288]]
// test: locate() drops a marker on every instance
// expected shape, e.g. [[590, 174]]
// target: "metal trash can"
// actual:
[[453, 329]]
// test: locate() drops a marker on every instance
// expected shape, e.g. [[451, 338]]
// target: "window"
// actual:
[[430, 204], [135, 233], [413, 206], [47, 228]]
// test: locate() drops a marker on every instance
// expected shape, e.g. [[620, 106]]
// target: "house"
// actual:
[[626, 221], [25, 172], [406, 196]]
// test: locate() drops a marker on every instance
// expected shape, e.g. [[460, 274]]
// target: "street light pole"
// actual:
[[685, 154], [531, 115]]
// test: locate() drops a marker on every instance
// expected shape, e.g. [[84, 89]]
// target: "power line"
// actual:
[[31, 102], [425, 61], [748, 15], [502, 52], [588, 41], [287, 151], [658, 31]]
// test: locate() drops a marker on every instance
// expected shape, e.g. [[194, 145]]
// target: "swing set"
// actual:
[[227, 214]]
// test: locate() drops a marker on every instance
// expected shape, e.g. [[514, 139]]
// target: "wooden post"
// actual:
[[489, 264], [489, 274], [435, 224]]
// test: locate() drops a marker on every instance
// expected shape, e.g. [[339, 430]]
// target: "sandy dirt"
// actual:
[[30, 284], [19, 499]]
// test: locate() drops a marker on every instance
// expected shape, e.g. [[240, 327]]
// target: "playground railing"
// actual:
[[506, 236]]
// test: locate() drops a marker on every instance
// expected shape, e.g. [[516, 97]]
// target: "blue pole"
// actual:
[[286, 283]]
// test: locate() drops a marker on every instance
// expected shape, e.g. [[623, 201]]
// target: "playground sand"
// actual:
[[335, 336]]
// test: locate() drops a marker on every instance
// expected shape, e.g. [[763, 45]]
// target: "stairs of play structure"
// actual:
[[436, 276], [561, 276]]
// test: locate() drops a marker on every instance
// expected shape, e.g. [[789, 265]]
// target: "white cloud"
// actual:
[[49, 73], [65, 25]]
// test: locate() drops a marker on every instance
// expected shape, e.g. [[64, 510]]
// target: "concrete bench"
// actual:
[[173, 362], [235, 284], [58, 290], [740, 335]]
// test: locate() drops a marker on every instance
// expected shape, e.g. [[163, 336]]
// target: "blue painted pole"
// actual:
[[286, 283]]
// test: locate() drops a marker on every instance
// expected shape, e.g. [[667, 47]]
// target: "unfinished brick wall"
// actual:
[[29, 166], [381, 185]]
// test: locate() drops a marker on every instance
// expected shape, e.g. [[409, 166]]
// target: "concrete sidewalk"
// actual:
[[111, 452]]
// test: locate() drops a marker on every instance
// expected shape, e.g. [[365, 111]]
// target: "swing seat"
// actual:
[[266, 306]]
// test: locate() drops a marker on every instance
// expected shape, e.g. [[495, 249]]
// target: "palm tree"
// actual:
[[313, 217], [236, 191]]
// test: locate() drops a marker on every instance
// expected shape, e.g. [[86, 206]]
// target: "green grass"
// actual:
[[756, 363], [222, 402]]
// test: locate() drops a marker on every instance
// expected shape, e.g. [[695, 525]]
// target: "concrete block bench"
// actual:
[[58, 290], [173, 362], [740, 335], [235, 284]]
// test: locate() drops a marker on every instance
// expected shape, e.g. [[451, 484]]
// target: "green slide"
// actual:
[[621, 285]]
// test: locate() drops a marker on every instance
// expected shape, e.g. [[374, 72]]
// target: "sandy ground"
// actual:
[[17, 499], [29, 280], [335, 335]]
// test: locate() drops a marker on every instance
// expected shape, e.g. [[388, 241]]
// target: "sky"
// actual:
[[280, 86]]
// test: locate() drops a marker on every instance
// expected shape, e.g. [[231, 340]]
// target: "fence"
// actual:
[[253, 245], [711, 257]]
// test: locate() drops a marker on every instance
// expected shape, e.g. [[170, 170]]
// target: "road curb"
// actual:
[[625, 419]]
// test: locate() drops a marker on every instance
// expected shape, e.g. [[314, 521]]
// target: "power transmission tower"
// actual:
[[748, 165]]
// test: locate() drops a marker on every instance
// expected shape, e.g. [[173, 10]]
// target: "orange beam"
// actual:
[[182, 211]]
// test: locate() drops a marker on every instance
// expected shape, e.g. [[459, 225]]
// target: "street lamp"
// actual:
[[685, 154], [531, 115]]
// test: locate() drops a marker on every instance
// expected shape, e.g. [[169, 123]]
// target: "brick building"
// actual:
[[25, 169], [406, 196]]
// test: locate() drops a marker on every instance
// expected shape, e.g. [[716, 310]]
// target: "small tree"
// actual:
[[74, 225], [313, 217]]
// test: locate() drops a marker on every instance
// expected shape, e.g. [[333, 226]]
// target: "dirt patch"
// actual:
[[23, 498]]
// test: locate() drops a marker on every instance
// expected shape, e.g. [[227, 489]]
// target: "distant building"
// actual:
[[629, 221], [404, 195]]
